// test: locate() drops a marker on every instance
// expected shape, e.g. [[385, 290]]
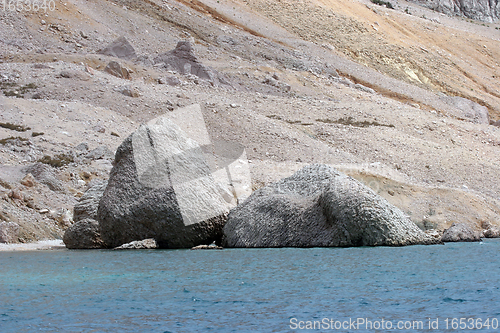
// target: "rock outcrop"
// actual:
[[482, 10], [490, 231], [459, 232], [45, 175], [9, 232], [468, 110], [183, 61], [319, 207], [161, 187], [83, 235], [86, 208], [114, 68], [120, 48]]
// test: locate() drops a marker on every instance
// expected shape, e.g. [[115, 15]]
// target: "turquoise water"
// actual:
[[249, 290]]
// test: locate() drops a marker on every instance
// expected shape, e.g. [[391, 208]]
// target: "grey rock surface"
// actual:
[[183, 60], [172, 80], [114, 68], [46, 175], [120, 48], [483, 10], [101, 152], [139, 245], [9, 232], [490, 231], [459, 232], [86, 208], [319, 207], [161, 187], [83, 234], [468, 109]]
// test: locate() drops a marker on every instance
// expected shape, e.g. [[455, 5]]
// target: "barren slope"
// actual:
[[401, 140]]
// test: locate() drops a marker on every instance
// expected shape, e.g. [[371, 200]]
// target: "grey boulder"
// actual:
[[86, 208], [9, 232], [183, 60], [459, 232], [319, 207], [46, 175], [83, 234], [114, 68], [161, 187], [119, 48]]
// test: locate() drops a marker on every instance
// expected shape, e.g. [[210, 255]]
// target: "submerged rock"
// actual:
[[319, 207], [161, 187], [83, 235], [459, 232]]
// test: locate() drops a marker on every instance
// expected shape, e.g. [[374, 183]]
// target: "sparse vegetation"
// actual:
[[9, 89], [387, 4], [14, 127], [57, 161], [349, 121], [11, 139], [291, 122]]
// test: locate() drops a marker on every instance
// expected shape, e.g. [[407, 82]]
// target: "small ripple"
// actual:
[[458, 300]]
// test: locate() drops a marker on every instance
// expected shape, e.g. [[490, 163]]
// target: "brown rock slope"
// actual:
[[293, 97]]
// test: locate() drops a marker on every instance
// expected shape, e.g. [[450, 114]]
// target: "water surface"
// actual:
[[247, 290]]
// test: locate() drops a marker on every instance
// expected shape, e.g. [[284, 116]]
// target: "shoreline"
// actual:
[[53, 244]]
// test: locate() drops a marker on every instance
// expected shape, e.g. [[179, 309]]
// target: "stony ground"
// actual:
[[292, 98]]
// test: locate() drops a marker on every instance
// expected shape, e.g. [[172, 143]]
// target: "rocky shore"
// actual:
[[186, 122]]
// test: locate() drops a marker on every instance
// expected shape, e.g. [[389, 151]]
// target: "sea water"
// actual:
[[369, 289]]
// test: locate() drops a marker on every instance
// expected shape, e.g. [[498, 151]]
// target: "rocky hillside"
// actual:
[[401, 99], [482, 10]]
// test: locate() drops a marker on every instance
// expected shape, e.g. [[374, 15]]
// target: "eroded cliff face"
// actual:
[[483, 10]]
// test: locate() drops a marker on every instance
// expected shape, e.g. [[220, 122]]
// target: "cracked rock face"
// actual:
[[319, 207], [161, 187], [482, 10], [83, 234], [86, 208], [459, 232]]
